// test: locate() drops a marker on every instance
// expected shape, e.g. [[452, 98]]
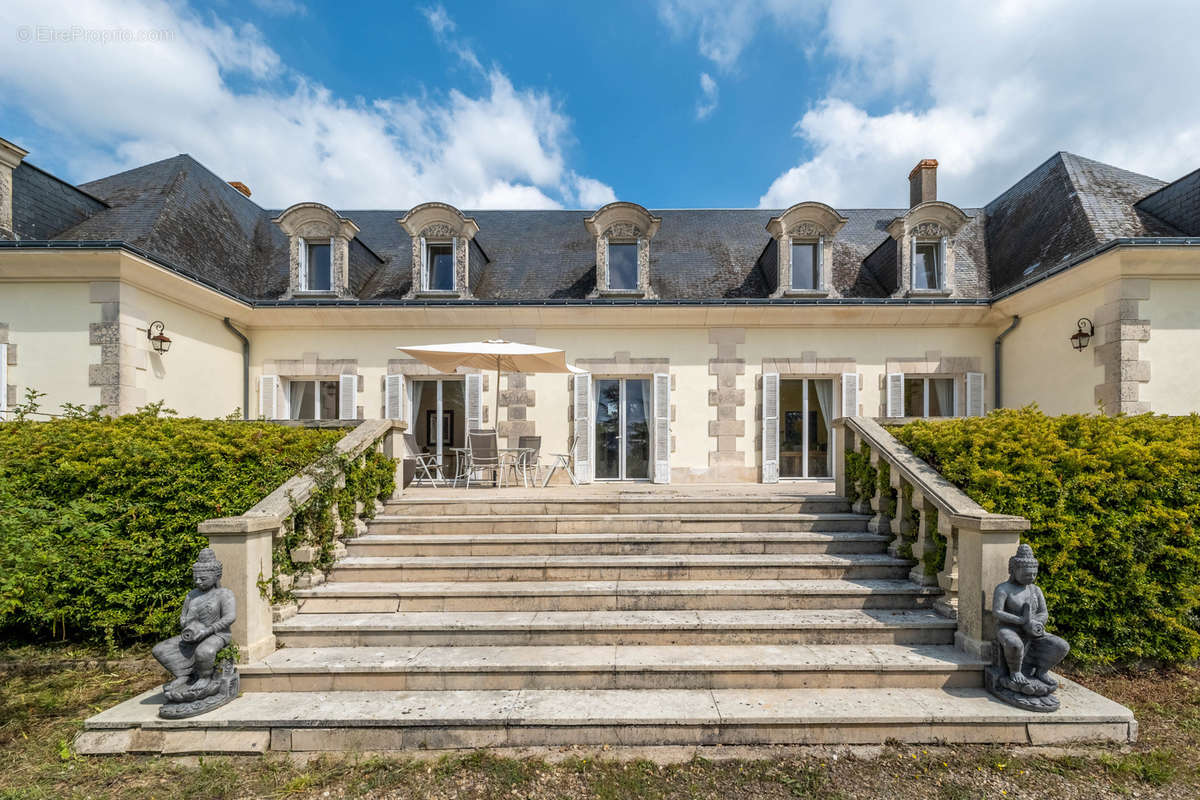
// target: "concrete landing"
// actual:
[[383, 721]]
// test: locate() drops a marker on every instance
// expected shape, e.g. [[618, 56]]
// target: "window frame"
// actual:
[[925, 395], [817, 266], [939, 256], [289, 382], [637, 271], [427, 264], [305, 265]]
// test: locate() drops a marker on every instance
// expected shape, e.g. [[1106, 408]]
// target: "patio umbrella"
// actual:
[[498, 354]]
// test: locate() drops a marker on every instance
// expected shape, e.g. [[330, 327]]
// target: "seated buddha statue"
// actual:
[[208, 612], [1026, 652]]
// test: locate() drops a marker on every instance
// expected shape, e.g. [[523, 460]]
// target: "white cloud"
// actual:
[[281, 8], [223, 95], [708, 96], [442, 26], [589, 192], [989, 89]]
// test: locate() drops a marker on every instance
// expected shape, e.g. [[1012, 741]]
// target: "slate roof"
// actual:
[[182, 213]]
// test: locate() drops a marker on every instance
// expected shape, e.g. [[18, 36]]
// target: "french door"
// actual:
[[804, 433], [622, 429], [438, 415]]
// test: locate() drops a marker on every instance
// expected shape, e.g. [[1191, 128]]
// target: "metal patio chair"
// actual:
[[483, 455], [424, 460]]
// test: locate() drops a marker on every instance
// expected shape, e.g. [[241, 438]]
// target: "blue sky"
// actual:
[[705, 103]]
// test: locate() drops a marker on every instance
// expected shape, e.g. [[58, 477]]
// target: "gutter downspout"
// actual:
[[996, 359], [246, 368]]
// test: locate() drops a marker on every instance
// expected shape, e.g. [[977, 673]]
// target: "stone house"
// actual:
[[719, 343]]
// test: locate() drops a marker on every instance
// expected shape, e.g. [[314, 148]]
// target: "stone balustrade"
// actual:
[[956, 544], [245, 544]]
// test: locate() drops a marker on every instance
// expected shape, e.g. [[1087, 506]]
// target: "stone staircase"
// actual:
[[664, 617]]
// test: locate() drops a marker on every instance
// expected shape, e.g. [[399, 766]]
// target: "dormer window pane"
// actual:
[[927, 269], [805, 267], [622, 266], [440, 261], [319, 272]]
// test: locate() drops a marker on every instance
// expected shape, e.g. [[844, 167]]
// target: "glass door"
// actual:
[[805, 408], [622, 429], [439, 416]]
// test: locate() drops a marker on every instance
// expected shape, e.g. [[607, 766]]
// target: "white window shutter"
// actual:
[[3, 381], [582, 448], [268, 396], [302, 260], [393, 396], [895, 394], [974, 394], [474, 402], [849, 394], [424, 265], [348, 397], [662, 428], [770, 427], [941, 270]]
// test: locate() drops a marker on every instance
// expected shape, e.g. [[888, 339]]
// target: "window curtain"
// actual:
[[301, 396], [944, 391], [824, 390]]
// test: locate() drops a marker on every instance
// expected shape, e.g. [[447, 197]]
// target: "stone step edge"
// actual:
[[497, 621], [630, 560], [647, 498], [615, 658], [617, 536], [335, 589], [259, 721], [838, 516]]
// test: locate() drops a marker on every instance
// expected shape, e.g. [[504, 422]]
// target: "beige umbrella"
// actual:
[[498, 354]]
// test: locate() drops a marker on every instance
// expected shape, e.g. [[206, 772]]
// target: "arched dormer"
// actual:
[[804, 237], [622, 232], [441, 238], [925, 248], [319, 250]]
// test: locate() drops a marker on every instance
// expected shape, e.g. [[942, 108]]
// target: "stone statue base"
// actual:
[[1035, 695], [190, 700]]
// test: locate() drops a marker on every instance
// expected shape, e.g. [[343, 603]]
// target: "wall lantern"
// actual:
[[158, 340], [1081, 337]]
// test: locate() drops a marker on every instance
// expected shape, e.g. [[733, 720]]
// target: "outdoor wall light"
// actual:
[[158, 340], [1081, 337]]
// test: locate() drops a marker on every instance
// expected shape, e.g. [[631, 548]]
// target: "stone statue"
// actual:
[[1024, 653], [200, 683]]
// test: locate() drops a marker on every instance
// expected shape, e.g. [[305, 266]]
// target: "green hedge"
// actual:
[[98, 516], [1114, 504]]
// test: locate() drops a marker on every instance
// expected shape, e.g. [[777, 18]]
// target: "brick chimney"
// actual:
[[241, 187], [922, 182], [10, 157]]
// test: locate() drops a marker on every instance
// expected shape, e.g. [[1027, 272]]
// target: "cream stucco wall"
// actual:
[[1039, 364], [48, 324], [201, 375], [1174, 314]]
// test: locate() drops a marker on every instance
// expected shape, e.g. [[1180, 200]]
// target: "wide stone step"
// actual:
[[407, 720], [491, 544], [323, 669], [526, 503], [479, 628], [626, 595], [615, 523], [648, 567]]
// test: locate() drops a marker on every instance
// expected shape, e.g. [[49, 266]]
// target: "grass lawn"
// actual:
[[46, 693]]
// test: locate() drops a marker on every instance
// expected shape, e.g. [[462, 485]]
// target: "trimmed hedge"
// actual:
[[98, 516], [1114, 504]]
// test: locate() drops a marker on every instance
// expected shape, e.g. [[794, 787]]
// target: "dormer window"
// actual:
[[623, 232], [804, 236], [439, 266], [441, 250], [319, 247], [927, 264], [622, 266], [316, 268], [806, 264]]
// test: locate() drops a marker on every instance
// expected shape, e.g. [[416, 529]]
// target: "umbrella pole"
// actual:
[[497, 394]]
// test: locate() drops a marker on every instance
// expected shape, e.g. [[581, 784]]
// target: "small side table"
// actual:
[[561, 461]]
